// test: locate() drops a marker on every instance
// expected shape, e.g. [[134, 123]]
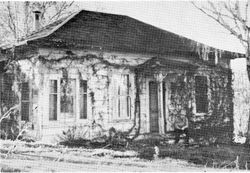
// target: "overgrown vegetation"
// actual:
[[94, 136], [224, 156], [9, 127], [217, 156], [215, 125]]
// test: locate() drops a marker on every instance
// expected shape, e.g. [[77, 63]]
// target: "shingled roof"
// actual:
[[110, 32]]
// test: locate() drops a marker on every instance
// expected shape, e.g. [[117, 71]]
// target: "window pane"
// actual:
[[123, 97], [128, 107], [53, 86], [53, 107], [83, 86], [25, 91], [68, 96], [124, 85], [83, 99], [201, 94], [83, 106]]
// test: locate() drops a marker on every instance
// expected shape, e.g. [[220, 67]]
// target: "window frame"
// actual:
[[76, 114], [117, 115]]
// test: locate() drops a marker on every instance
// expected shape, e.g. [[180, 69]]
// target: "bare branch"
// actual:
[[224, 24], [246, 13], [60, 11], [11, 22], [6, 115]]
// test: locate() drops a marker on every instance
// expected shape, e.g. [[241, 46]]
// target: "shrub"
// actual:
[[9, 125], [93, 136]]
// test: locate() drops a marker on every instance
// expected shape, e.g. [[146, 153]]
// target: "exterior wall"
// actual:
[[102, 92], [101, 100], [217, 123], [103, 80]]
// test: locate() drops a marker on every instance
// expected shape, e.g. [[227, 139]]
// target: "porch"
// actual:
[[161, 77]]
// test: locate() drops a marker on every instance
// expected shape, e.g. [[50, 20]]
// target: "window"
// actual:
[[67, 96], [201, 94], [53, 100], [124, 101], [62, 98], [25, 101], [83, 99]]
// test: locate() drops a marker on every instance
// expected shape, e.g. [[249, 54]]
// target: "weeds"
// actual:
[[79, 137]]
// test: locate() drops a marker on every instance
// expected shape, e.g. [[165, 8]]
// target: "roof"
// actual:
[[110, 32]]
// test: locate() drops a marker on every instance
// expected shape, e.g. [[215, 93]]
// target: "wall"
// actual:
[[102, 69], [102, 79], [216, 125]]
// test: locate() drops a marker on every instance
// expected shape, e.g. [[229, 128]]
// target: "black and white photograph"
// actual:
[[125, 86]]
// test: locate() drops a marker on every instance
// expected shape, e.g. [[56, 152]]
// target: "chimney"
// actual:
[[37, 16]]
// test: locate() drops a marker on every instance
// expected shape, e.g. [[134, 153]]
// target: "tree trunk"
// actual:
[[248, 72], [248, 133]]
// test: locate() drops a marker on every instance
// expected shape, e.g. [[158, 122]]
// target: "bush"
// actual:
[[9, 126], [93, 136]]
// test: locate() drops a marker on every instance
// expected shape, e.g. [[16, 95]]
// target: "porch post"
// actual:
[[160, 78]]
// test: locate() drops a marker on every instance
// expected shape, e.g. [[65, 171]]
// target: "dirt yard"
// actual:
[[21, 156]]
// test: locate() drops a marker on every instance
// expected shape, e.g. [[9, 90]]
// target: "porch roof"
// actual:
[[159, 63]]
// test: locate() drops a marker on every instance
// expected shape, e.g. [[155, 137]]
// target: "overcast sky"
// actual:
[[180, 17]]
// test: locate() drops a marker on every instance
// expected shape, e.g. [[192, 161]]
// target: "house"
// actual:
[[118, 72]]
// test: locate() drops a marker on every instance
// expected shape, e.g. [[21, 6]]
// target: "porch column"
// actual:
[[160, 79]]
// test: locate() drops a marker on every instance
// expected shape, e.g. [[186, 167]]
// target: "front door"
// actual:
[[153, 107]]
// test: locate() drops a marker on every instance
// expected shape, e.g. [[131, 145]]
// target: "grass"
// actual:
[[218, 156]]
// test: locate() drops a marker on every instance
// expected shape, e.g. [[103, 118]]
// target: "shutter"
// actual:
[[53, 100], [25, 101], [83, 99]]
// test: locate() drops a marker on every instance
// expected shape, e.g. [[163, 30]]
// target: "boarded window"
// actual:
[[25, 101], [67, 96], [83, 99], [53, 100], [124, 101], [201, 94]]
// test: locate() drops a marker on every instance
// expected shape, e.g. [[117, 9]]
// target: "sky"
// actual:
[[180, 17]]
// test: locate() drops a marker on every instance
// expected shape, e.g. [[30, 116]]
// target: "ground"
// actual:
[[55, 158]]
